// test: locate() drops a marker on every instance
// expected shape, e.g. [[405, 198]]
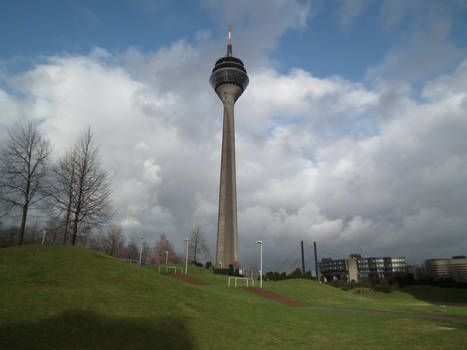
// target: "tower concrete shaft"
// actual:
[[227, 234], [229, 80]]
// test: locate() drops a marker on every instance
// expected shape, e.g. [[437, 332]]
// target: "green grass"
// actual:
[[413, 299], [73, 298]]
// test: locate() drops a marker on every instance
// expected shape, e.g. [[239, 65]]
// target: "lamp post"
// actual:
[[141, 250], [43, 237], [186, 256], [166, 257], [260, 263]]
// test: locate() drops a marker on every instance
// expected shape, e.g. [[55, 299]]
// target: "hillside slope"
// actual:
[[74, 298], [427, 300]]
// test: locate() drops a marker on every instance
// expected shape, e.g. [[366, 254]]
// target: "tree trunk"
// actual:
[[75, 230], [23, 224], [25, 209], [196, 248], [79, 202], [68, 209], [67, 222]]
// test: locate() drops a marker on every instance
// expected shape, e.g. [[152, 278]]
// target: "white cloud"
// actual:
[[350, 166], [90, 18], [258, 25], [427, 47], [350, 9], [151, 172], [130, 223]]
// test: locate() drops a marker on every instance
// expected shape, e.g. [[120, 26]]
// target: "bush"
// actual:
[[231, 271], [276, 276], [347, 286], [221, 271], [296, 274], [360, 290], [364, 284], [384, 286], [196, 263], [338, 283], [269, 276]]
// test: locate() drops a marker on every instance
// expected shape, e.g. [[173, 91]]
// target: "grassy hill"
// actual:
[[417, 299], [74, 298]]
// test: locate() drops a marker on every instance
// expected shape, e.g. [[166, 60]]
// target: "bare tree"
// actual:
[[62, 190], [161, 247], [251, 271], [90, 188], [23, 169], [146, 256], [8, 236], [131, 250], [198, 245], [53, 230], [114, 241]]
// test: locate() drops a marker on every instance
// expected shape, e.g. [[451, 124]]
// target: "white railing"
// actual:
[[168, 268], [131, 261], [240, 278]]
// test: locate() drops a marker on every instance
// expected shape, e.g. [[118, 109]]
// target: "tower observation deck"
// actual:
[[229, 79]]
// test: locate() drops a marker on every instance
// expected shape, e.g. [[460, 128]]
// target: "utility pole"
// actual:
[[303, 261], [186, 256], [141, 250], [316, 261], [43, 237], [260, 263]]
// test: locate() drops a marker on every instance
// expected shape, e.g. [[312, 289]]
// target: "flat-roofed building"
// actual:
[[357, 268], [380, 267], [334, 269], [442, 269]]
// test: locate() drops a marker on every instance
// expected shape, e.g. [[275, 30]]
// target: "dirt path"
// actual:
[[289, 302], [273, 296], [187, 279]]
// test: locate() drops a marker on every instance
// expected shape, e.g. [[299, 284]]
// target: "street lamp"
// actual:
[[166, 257], [43, 237], [260, 263], [186, 256], [141, 250]]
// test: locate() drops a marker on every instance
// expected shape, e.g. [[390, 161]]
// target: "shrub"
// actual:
[[230, 271], [269, 276], [296, 274]]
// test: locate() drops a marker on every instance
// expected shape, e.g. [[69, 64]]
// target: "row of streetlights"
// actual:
[[141, 251], [166, 254], [186, 255], [186, 258], [260, 260], [260, 263]]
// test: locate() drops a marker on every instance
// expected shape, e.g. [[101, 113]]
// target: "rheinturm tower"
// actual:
[[229, 80]]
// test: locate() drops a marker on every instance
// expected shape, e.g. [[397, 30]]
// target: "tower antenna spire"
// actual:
[[229, 43], [228, 79]]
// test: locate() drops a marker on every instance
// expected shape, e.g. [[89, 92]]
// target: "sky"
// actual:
[[351, 133]]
